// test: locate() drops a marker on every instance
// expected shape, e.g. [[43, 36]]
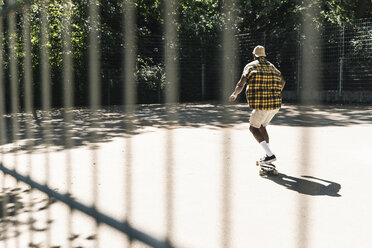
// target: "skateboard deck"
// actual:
[[267, 169]]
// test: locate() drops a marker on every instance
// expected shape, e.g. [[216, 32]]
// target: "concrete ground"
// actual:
[[196, 181]]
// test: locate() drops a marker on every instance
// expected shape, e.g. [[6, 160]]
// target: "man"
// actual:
[[264, 86]]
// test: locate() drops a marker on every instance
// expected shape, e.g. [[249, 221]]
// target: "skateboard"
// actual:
[[267, 169]]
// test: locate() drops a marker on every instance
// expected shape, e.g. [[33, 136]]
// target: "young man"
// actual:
[[264, 86]]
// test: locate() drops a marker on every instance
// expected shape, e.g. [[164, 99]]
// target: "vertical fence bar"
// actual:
[[171, 53], [94, 56], [13, 70], [311, 65], [310, 57], [2, 87], [46, 100], [45, 69], [3, 138], [14, 86], [341, 60], [228, 57], [28, 102], [130, 51], [94, 99], [203, 81], [68, 97], [171, 98], [130, 96], [298, 66], [29, 99]]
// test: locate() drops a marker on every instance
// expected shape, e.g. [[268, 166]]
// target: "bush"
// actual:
[[151, 82]]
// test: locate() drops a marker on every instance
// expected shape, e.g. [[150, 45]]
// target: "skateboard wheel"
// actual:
[[261, 173], [275, 172], [257, 163]]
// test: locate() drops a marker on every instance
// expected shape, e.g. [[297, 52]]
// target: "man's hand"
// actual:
[[232, 97], [239, 87]]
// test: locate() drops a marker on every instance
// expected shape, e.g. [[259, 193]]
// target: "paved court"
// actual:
[[321, 198]]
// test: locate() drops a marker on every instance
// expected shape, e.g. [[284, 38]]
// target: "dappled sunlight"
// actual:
[[112, 122]]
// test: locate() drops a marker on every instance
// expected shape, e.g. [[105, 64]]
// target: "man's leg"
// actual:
[[258, 118], [260, 134], [258, 129], [257, 134], [264, 133]]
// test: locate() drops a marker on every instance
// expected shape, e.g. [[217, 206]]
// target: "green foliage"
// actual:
[[151, 75], [338, 11], [197, 20], [75, 10], [151, 81], [149, 17]]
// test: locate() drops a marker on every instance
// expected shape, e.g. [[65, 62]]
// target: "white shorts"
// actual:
[[262, 117]]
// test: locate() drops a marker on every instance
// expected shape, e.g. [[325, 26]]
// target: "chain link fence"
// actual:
[[345, 53]]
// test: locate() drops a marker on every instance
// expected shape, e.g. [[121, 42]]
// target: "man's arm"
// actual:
[[238, 89], [282, 81]]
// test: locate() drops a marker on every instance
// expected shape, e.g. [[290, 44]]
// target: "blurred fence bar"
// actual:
[[129, 96], [68, 96], [130, 55], [29, 109], [3, 130], [228, 75], [311, 66], [2, 86], [46, 102], [94, 100], [171, 57], [311, 61], [3, 138], [15, 107]]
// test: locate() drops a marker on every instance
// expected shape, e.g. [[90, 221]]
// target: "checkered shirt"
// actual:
[[263, 85]]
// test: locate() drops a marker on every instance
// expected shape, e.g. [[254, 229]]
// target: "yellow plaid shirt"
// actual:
[[263, 85]]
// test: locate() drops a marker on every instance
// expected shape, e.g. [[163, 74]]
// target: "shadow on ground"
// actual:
[[19, 208], [86, 127], [16, 207], [308, 185]]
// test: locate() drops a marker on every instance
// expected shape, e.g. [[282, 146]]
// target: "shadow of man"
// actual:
[[308, 185]]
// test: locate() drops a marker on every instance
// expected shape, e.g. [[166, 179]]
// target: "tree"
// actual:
[[199, 24]]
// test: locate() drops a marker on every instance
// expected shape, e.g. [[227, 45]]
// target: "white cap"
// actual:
[[259, 51]]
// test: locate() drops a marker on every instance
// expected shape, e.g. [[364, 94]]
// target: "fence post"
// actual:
[[341, 60], [203, 81], [109, 81], [202, 59], [298, 69]]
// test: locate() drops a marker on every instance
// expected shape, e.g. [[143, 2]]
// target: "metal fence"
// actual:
[[344, 52], [32, 133], [33, 130], [345, 60]]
